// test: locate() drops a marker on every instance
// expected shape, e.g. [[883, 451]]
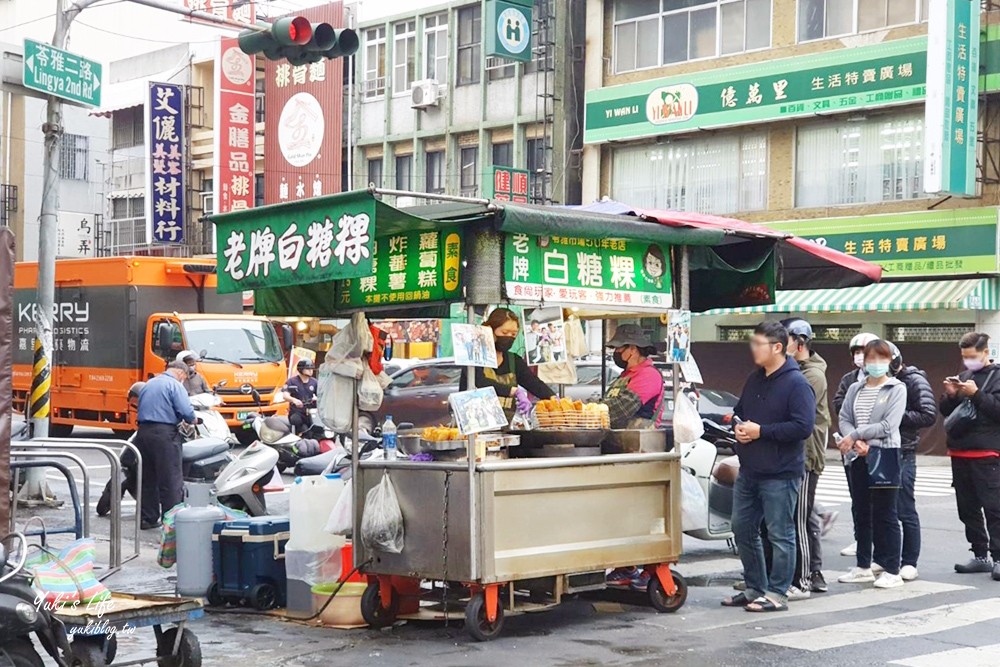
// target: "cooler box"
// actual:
[[248, 557]]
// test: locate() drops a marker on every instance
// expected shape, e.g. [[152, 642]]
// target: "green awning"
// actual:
[[976, 294]]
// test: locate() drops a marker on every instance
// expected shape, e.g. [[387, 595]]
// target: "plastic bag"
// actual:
[[688, 426], [694, 505], [382, 521], [335, 399], [369, 392], [350, 342], [341, 521]]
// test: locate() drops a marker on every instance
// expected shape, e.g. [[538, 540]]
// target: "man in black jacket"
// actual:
[[921, 412]]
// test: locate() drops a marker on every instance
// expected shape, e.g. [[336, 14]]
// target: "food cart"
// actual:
[[517, 534]]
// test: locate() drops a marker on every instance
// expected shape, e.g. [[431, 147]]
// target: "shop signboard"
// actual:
[[911, 245], [411, 267], [612, 272], [312, 241], [166, 204], [508, 29], [233, 174], [508, 184]]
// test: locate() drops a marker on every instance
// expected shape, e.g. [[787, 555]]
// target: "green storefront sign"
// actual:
[[412, 267], [508, 29], [508, 184], [308, 241], [911, 245], [616, 273]]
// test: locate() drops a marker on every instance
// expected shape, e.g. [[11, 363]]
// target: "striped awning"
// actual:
[[976, 294]]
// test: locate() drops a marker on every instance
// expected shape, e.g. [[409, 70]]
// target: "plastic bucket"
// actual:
[[345, 609]]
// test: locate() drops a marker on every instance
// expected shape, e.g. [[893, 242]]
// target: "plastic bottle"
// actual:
[[389, 439]]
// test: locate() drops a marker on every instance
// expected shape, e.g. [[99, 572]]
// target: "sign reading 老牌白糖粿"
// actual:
[[61, 73], [310, 241], [508, 29], [412, 267], [611, 272], [893, 72], [909, 245]]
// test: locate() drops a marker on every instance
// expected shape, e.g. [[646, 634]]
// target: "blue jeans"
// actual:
[[771, 501], [906, 507]]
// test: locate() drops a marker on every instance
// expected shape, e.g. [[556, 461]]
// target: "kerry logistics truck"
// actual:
[[118, 320]]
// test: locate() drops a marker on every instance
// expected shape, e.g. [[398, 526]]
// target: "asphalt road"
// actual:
[[943, 619]]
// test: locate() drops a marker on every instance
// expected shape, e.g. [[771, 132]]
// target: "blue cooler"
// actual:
[[248, 557]]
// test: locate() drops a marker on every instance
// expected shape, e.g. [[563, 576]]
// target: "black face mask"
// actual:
[[619, 360], [504, 343]]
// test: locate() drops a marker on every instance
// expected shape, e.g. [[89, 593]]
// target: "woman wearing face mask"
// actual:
[[869, 420], [512, 378], [635, 399]]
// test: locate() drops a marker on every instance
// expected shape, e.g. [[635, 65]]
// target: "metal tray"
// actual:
[[540, 437]]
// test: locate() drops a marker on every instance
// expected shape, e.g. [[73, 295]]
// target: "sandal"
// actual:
[[739, 600], [765, 604]]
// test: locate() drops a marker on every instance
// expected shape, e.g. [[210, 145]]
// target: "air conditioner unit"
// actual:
[[424, 94]]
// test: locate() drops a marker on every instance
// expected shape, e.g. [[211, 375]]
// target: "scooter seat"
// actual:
[[202, 448]]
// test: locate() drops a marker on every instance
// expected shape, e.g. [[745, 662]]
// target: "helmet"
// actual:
[[304, 364], [184, 355], [133, 393], [798, 327], [274, 429], [896, 360], [862, 339]]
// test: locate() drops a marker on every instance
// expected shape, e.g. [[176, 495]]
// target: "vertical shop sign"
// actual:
[[950, 113], [165, 201], [233, 173]]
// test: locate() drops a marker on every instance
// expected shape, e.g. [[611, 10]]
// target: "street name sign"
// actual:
[[61, 73]]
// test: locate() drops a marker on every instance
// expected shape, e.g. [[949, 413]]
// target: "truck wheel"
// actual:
[[60, 430], [476, 623], [662, 602], [188, 653]]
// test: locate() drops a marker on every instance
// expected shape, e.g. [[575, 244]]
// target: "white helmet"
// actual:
[[862, 339], [184, 355]]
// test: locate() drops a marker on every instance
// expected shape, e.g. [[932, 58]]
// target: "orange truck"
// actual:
[[118, 320]]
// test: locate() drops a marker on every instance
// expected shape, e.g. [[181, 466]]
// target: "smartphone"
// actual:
[[737, 421], [954, 379]]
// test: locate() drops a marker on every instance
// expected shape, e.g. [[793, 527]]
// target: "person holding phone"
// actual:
[[975, 453]]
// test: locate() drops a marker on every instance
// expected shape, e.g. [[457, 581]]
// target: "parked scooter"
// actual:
[[277, 432], [703, 459]]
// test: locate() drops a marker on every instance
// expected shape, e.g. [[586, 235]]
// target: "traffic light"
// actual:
[[298, 41]]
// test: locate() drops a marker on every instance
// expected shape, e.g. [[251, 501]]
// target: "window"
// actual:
[[651, 33], [435, 173], [857, 162], [469, 46], [503, 154], [537, 163], [940, 333], [722, 174], [830, 18], [258, 100], [125, 208], [258, 193], [73, 157], [499, 68], [470, 171], [375, 171], [404, 172], [436, 48], [542, 48], [404, 56], [127, 129], [374, 63]]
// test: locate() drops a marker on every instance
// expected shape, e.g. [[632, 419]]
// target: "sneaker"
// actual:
[[857, 575], [640, 582], [827, 519], [740, 586], [877, 569], [796, 593], [818, 583], [850, 550], [908, 573], [622, 577], [889, 581], [996, 570], [975, 566]]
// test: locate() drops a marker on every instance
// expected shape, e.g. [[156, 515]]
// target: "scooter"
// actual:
[[702, 458], [277, 432], [241, 483], [338, 459]]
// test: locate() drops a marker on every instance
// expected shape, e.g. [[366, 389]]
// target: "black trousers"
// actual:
[[977, 492], [803, 540], [299, 421], [876, 522], [162, 469]]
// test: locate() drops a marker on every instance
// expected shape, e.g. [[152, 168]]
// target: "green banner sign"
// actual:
[[508, 184], [911, 245], [892, 72], [508, 29], [594, 272], [307, 241], [414, 267]]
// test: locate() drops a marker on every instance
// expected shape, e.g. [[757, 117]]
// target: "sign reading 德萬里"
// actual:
[[233, 174], [165, 201], [412, 267], [611, 272], [508, 184], [312, 241]]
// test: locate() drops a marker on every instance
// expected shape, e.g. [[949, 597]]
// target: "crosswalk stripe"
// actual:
[[717, 566], [972, 656], [909, 624]]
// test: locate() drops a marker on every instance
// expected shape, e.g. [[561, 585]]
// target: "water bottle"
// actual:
[[389, 439]]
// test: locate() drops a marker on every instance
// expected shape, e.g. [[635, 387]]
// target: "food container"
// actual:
[[345, 608]]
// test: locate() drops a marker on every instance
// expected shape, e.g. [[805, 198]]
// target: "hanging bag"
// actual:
[[960, 422]]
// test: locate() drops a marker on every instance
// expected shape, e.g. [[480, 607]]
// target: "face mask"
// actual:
[[876, 370], [859, 359], [504, 343], [619, 360], [974, 364], [192, 370]]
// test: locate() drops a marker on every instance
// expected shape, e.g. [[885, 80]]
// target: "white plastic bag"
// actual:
[[688, 426], [369, 392], [694, 505], [341, 521], [382, 521]]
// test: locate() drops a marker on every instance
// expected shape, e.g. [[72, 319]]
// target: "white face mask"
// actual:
[[859, 359]]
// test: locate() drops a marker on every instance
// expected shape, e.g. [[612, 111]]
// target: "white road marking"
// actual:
[[703, 568], [910, 624], [972, 656]]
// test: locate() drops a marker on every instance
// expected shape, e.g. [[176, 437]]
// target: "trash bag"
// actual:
[[341, 521], [382, 521], [369, 392], [688, 426], [694, 505]]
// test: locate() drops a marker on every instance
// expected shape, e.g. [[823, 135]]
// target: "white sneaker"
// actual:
[[908, 573], [851, 550], [877, 569], [889, 581], [796, 593], [857, 575]]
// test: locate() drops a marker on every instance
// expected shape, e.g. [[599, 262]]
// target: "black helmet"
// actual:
[[305, 364]]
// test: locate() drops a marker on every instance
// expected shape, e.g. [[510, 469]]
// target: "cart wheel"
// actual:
[[214, 597], [476, 623], [263, 596], [111, 648], [372, 610], [21, 653], [188, 653], [90, 652], [662, 602]]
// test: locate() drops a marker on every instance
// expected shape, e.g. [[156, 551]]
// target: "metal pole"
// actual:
[[604, 357], [471, 449], [203, 16]]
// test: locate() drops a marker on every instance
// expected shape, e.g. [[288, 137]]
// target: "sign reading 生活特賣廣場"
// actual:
[[165, 201]]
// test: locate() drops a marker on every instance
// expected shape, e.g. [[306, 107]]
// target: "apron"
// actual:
[[646, 418], [507, 380]]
